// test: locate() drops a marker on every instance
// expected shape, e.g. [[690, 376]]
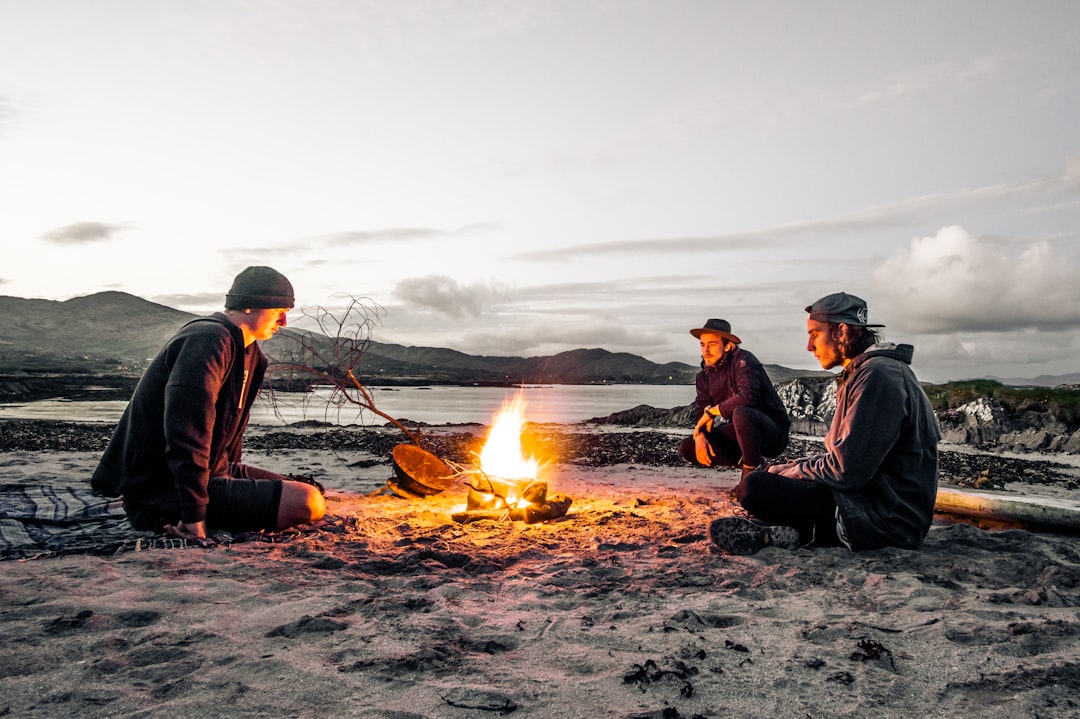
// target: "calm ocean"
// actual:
[[430, 405]]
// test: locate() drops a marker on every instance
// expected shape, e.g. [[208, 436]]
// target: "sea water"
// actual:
[[431, 405]]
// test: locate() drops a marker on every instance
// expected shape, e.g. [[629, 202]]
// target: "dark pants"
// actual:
[[247, 501], [750, 436], [801, 503]]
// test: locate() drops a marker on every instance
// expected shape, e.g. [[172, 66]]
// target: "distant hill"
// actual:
[[107, 331], [117, 333], [1043, 380]]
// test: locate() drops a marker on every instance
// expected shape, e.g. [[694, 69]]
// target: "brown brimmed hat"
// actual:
[[717, 327], [842, 309], [260, 288]]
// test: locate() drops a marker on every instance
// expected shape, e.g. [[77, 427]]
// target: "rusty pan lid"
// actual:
[[419, 471]]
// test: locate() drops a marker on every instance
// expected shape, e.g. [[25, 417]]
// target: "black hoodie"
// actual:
[[185, 421], [881, 452]]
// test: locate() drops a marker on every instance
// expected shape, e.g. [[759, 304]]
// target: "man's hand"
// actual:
[[194, 532], [788, 469], [703, 450]]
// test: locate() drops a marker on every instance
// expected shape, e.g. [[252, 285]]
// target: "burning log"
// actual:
[[506, 485], [499, 500]]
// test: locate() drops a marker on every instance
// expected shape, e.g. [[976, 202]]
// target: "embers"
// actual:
[[497, 499]]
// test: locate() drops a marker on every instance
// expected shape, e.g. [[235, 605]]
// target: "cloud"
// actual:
[[402, 234], [322, 244], [446, 295], [543, 337], [397, 234], [81, 233], [907, 212], [946, 75], [191, 302], [957, 282]]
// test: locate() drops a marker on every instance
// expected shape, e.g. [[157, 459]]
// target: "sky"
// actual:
[[523, 177]]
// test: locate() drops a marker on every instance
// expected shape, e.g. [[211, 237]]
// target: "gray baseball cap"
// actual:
[[840, 308]]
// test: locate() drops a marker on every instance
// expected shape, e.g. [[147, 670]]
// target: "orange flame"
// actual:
[[502, 455], [509, 486]]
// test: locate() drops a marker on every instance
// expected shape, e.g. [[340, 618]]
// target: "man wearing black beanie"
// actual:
[[175, 454]]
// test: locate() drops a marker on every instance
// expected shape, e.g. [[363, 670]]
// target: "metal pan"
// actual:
[[419, 472]]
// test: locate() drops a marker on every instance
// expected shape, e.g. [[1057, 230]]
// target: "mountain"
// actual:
[[111, 333], [1043, 380], [582, 366], [107, 331]]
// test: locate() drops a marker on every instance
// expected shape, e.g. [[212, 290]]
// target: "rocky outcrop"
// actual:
[[1072, 444], [1037, 432], [985, 422], [979, 422], [811, 403], [648, 416]]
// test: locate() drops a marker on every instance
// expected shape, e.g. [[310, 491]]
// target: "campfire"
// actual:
[[507, 483]]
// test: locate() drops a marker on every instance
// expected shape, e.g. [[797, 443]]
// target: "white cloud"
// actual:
[[957, 282], [446, 295]]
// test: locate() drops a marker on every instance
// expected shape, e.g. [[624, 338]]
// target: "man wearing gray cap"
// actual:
[[876, 483], [175, 454]]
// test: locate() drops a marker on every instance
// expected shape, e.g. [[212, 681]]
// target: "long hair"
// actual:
[[858, 340]]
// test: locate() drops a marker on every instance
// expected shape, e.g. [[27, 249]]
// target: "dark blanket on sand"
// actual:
[[38, 521], [47, 521]]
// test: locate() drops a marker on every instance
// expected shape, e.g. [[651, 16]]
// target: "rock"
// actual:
[[811, 403], [1072, 444], [647, 416], [1030, 431], [1041, 420], [1031, 440], [978, 422]]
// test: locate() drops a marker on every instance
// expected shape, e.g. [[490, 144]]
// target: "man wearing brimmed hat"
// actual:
[[740, 417], [876, 483], [175, 454]]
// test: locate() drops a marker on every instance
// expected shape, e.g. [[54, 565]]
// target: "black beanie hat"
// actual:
[[260, 288]]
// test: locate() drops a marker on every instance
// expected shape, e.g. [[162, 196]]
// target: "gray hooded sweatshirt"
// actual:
[[881, 452]]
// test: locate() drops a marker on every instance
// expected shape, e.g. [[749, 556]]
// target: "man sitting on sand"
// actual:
[[876, 483], [741, 418], [175, 454]]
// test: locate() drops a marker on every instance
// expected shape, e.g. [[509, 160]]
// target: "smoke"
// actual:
[[957, 282]]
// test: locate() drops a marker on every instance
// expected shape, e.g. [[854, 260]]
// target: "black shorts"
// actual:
[[243, 505], [236, 505]]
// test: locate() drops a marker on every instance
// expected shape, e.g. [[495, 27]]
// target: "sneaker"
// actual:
[[737, 535]]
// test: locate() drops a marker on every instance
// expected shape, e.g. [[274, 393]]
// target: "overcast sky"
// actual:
[[522, 177]]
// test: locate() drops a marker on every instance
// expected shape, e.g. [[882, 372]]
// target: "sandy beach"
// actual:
[[622, 608]]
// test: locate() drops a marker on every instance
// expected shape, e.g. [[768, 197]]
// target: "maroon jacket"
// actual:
[[739, 380]]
